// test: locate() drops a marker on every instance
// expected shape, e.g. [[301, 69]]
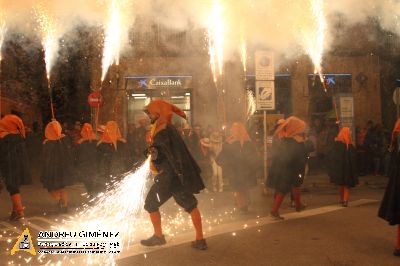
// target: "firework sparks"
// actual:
[[114, 211], [115, 32], [251, 103], [315, 41], [216, 39], [48, 29], [3, 30], [243, 50]]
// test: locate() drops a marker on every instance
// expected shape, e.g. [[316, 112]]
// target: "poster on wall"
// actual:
[[265, 95], [346, 112], [265, 68]]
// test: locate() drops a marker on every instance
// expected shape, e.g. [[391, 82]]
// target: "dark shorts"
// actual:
[[159, 194]]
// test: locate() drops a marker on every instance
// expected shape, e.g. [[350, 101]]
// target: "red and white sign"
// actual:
[[95, 99]]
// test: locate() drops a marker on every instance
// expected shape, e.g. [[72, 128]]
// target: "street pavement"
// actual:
[[324, 234]]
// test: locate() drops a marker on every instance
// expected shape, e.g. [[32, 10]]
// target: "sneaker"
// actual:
[[199, 244], [16, 215], [396, 252], [154, 241], [276, 216], [345, 203]]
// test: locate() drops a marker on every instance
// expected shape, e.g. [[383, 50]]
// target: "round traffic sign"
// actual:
[[95, 99]]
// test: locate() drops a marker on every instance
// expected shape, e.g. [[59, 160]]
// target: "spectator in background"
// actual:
[[131, 145], [368, 145], [75, 133], [199, 131], [192, 141], [140, 144]]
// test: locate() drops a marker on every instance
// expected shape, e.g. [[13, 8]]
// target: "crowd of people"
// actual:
[[186, 160]]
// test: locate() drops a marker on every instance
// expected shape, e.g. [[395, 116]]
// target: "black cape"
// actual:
[[175, 161], [390, 206], [86, 163], [14, 161], [238, 164], [343, 165], [58, 171], [289, 165]]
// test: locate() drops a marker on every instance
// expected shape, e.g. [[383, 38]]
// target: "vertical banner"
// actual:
[[265, 68], [265, 95]]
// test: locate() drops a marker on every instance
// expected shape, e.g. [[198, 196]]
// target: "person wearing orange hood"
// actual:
[[14, 162], [86, 157], [110, 150], [57, 172], [343, 170], [239, 165], [290, 162], [176, 173], [390, 206]]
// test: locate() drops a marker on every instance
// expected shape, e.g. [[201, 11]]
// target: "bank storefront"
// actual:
[[140, 90]]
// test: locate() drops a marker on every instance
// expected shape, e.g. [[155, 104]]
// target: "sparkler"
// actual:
[[49, 36], [216, 39], [243, 50]]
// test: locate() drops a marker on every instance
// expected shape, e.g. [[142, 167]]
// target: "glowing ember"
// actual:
[[115, 34], [216, 39], [48, 29]]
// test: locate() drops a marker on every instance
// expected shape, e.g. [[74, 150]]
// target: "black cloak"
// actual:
[[14, 161], [390, 206], [343, 165], [289, 165], [86, 163], [239, 164], [175, 160], [58, 171]]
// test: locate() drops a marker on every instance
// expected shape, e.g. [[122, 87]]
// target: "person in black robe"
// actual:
[[239, 165], [290, 163], [86, 158], [390, 206], [57, 171], [14, 162], [192, 141], [107, 157], [176, 173], [343, 161]]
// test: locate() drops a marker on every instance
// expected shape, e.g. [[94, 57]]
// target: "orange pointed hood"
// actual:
[[345, 136], [165, 111], [111, 134], [293, 127], [87, 133], [238, 133], [53, 131], [11, 124]]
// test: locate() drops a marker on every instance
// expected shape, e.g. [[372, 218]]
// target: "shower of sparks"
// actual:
[[251, 103], [113, 38], [315, 42], [216, 39], [3, 31], [48, 31], [243, 51], [116, 210]]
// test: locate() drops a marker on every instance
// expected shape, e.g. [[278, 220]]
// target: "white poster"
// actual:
[[265, 69], [265, 95]]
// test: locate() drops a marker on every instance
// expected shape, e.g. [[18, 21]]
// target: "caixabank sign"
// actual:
[[159, 82]]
